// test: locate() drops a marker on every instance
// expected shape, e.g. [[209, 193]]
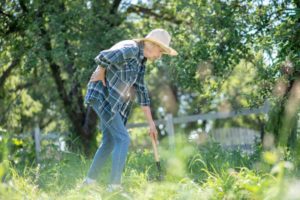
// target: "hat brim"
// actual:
[[167, 50]]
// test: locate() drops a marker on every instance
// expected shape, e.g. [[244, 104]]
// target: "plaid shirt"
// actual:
[[125, 71]]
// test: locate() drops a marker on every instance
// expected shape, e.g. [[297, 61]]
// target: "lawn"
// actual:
[[190, 172]]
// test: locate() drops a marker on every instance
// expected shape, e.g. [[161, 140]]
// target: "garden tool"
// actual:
[[156, 156]]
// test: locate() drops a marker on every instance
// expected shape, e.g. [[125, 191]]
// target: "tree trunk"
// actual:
[[83, 122]]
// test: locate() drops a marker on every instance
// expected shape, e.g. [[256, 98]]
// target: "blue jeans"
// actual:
[[116, 140]]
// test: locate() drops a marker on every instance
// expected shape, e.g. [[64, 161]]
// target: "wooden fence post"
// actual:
[[170, 130], [37, 141]]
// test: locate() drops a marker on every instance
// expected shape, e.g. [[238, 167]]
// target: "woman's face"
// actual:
[[152, 51]]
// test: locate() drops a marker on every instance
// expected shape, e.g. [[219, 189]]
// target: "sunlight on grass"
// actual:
[[190, 172]]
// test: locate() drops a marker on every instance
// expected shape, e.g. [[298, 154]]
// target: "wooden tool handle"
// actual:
[[155, 149]]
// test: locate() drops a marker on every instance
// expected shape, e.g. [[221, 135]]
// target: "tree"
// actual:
[[50, 50], [213, 37]]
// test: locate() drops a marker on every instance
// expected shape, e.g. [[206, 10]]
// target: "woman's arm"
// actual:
[[152, 127]]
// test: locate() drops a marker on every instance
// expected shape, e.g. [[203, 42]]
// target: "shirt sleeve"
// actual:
[[115, 55], [141, 90]]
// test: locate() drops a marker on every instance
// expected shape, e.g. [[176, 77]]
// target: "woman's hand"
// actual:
[[152, 127], [153, 131], [99, 75]]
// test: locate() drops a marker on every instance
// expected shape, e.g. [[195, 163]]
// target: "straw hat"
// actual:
[[161, 38]]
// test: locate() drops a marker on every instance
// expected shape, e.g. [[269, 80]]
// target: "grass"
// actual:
[[190, 172]]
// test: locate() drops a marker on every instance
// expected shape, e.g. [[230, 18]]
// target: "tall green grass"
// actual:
[[190, 172]]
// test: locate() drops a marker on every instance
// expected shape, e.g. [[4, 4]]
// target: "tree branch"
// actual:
[[23, 6], [5, 14], [141, 10], [8, 71], [115, 6], [43, 125], [21, 87], [12, 21], [7, 110]]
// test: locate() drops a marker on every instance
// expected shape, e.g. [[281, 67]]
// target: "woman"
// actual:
[[120, 74]]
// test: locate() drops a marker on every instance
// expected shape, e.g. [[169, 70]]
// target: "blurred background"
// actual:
[[236, 75]]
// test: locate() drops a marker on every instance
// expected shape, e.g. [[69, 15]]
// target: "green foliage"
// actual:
[[222, 161], [15, 150], [192, 172], [54, 45], [232, 54]]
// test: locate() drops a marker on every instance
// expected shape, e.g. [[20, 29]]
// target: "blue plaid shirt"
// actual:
[[125, 71]]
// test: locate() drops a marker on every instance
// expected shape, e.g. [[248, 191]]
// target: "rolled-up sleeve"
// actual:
[[143, 98], [115, 55]]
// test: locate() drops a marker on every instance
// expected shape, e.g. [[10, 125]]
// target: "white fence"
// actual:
[[169, 123], [236, 138]]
